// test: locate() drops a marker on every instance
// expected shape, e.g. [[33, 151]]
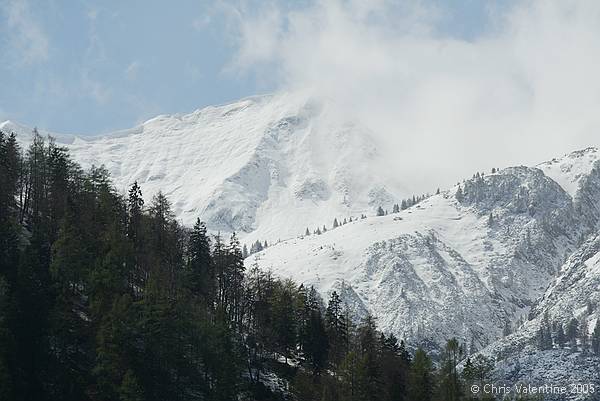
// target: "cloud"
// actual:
[[25, 35], [132, 70], [524, 89], [201, 22]]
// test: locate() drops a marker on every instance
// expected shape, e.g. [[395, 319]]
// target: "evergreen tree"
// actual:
[[337, 329], [573, 332], [313, 338], [380, 211], [395, 362], [544, 336], [139, 269], [7, 343], [583, 334], [450, 385], [560, 336], [459, 194], [421, 380], [201, 274], [284, 323], [596, 338], [369, 367]]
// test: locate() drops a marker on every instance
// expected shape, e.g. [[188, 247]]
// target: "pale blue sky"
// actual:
[[97, 66]]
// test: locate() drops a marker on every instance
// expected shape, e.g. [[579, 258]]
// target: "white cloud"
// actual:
[[132, 70], [25, 35], [201, 22], [526, 90]]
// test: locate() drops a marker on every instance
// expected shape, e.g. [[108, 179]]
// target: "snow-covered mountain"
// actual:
[[267, 167], [495, 250], [463, 263]]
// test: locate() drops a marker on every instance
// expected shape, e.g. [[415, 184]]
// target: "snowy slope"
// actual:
[[570, 170], [520, 359], [266, 167], [444, 268]]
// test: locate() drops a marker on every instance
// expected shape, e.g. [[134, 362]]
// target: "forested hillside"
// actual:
[[103, 297]]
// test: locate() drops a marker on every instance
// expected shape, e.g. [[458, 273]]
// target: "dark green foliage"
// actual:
[[421, 380], [200, 275], [450, 388]]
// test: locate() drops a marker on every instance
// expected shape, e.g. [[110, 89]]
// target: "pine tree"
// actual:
[[135, 207], [201, 274], [395, 363], [560, 336], [421, 381], [459, 194], [130, 389], [450, 385], [583, 334], [337, 329], [573, 332], [596, 338], [380, 211], [314, 340], [369, 367], [284, 322], [335, 223], [7, 344]]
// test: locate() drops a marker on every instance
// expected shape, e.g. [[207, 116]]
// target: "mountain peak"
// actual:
[[570, 169], [266, 167]]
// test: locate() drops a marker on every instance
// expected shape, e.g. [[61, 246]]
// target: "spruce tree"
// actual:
[[201, 275], [583, 334], [573, 332], [596, 338], [421, 380], [560, 336], [450, 385]]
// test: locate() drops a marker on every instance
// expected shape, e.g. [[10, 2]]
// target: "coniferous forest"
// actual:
[[105, 297]]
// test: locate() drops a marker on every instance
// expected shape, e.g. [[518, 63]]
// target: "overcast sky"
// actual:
[[466, 83]]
